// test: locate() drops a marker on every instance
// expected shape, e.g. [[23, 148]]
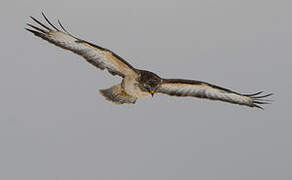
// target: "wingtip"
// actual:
[[254, 94], [36, 28], [259, 107], [49, 22], [34, 32], [27, 29], [258, 99], [30, 30], [60, 24], [37, 21]]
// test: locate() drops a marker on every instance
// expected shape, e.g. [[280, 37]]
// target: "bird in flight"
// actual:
[[138, 83]]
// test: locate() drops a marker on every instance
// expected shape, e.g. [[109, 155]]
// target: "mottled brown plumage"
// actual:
[[138, 83]]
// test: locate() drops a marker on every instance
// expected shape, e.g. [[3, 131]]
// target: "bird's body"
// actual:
[[137, 83], [130, 86]]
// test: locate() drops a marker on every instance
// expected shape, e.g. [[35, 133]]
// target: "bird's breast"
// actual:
[[131, 87]]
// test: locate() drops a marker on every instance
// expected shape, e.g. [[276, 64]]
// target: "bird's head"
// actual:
[[149, 82]]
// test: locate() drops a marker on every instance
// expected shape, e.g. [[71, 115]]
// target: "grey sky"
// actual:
[[55, 125]]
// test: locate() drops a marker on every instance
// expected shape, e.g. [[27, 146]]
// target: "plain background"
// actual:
[[54, 125]]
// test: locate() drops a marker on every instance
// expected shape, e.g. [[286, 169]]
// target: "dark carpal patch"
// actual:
[[149, 77]]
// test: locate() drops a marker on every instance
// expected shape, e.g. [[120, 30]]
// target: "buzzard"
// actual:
[[138, 83]]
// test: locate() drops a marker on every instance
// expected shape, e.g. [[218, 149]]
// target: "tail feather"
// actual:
[[116, 95]]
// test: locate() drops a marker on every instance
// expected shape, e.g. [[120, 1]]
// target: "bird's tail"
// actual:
[[117, 95]]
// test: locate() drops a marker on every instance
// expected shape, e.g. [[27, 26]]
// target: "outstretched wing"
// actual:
[[96, 55], [181, 87]]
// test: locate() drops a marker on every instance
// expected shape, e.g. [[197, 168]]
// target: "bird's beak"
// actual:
[[152, 92]]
